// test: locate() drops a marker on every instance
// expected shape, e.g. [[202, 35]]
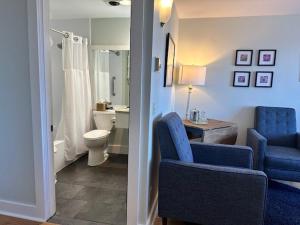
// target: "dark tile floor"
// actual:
[[92, 195]]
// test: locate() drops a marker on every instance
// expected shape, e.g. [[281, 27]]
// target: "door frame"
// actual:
[[38, 13]]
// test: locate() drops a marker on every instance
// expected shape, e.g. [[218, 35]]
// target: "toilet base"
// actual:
[[97, 157]]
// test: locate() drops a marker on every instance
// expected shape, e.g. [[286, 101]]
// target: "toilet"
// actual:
[[97, 140]]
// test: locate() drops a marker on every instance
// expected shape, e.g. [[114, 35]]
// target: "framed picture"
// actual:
[[243, 57], [267, 57], [241, 79], [264, 79], [169, 61]]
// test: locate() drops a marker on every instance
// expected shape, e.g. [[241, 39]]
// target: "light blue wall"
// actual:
[[110, 31], [16, 141], [161, 102], [213, 42]]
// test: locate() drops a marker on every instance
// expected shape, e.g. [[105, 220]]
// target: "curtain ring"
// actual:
[[66, 35]]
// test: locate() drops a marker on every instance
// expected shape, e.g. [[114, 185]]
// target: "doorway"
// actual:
[[90, 77]]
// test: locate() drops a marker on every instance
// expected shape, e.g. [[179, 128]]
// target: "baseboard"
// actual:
[[153, 212], [20, 210]]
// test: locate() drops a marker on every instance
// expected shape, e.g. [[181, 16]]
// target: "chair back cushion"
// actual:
[[173, 141], [277, 124]]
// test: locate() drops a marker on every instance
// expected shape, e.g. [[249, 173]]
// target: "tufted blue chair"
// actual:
[[275, 142], [207, 183]]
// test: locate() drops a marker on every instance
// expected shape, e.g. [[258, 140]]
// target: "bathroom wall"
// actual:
[[79, 27], [213, 42], [110, 31], [17, 182]]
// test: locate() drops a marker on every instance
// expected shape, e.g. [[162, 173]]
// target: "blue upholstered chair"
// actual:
[[205, 183], [276, 143]]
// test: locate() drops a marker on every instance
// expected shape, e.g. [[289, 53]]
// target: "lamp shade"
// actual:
[[165, 10], [192, 75]]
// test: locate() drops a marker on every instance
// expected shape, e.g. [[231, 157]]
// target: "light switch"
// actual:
[[157, 64]]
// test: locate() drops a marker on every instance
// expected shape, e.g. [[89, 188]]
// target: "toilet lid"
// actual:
[[96, 134]]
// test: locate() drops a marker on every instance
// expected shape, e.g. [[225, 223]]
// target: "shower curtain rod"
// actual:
[[66, 35]]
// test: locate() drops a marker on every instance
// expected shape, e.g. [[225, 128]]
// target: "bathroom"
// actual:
[[90, 68]]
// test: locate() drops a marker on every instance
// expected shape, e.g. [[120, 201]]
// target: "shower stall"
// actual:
[[111, 76], [83, 75]]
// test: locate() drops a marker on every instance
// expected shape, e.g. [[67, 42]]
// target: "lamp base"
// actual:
[[187, 113]]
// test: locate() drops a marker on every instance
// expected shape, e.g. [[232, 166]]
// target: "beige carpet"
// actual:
[[7, 220]]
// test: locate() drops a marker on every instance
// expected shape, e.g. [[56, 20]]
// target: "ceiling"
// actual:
[[71, 9], [235, 8]]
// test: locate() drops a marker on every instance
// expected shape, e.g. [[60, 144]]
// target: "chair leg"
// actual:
[[164, 221]]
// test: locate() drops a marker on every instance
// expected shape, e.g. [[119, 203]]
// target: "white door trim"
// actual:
[[136, 54], [38, 11], [136, 112], [44, 205], [141, 58]]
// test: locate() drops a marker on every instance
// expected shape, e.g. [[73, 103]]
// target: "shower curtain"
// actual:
[[101, 75], [77, 102]]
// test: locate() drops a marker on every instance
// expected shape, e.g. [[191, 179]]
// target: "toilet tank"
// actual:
[[104, 120]]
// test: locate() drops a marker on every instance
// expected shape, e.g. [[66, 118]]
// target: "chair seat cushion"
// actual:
[[283, 158]]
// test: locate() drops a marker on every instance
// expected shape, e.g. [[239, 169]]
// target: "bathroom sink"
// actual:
[[122, 118], [121, 108], [124, 110]]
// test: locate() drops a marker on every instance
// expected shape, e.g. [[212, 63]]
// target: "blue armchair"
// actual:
[[207, 184], [276, 143]]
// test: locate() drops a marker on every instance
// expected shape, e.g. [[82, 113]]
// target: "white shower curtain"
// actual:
[[101, 75], [77, 102]]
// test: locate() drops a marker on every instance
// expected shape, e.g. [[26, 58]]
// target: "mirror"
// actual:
[[111, 76]]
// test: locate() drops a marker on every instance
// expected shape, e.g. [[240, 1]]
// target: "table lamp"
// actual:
[[191, 75]]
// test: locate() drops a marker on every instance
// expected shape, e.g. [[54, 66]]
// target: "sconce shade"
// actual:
[[192, 75], [165, 10]]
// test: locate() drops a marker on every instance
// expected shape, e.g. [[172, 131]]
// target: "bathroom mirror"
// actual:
[[111, 76]]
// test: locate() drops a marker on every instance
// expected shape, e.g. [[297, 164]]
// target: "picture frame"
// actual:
[[267, 57], [264, 79], [243, 57], [169, 61], [241, 78]]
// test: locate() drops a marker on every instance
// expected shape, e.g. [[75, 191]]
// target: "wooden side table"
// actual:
[[215, 131]]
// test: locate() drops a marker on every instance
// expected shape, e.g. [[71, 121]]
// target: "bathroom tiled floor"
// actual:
[[92, 195]]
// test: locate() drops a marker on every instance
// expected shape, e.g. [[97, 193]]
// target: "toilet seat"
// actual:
[[96, 134]]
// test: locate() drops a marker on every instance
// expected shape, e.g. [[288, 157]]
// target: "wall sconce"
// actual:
[[165, 11], [191, 75]]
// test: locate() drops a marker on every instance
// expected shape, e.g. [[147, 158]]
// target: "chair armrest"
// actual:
[[223, 155], [259, 144], [205, 194]]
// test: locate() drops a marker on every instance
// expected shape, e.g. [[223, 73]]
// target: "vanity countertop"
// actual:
[[126, 110]]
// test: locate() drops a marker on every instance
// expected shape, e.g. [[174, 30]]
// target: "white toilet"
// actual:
[[97, 140]]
